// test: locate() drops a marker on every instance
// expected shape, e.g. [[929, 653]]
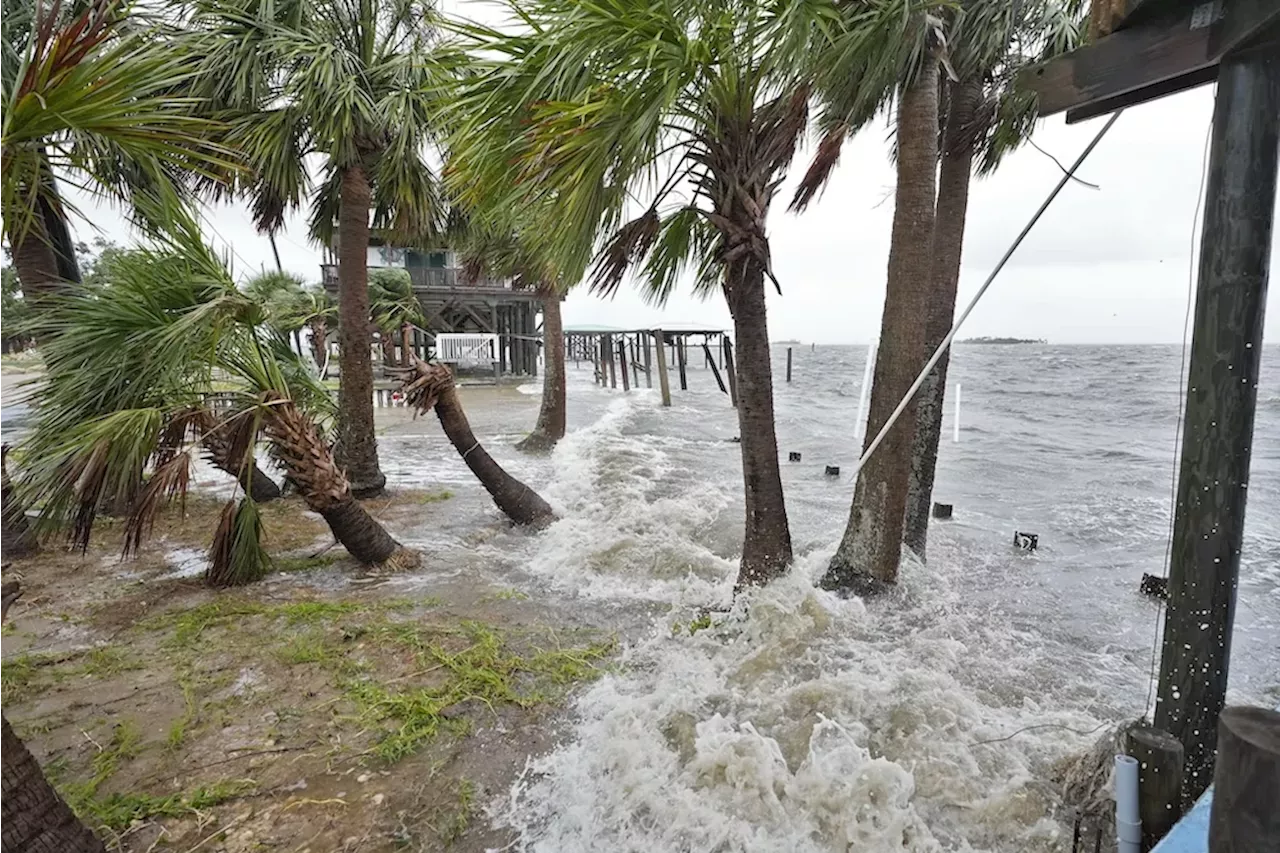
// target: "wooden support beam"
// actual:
[[663, 384], [711, 362], [607, 344], [1245, 815], [681, 358], [1222, 396], [1178, 50], [730, 371]]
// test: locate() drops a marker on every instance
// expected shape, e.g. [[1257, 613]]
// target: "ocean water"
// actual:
[[932, 720]]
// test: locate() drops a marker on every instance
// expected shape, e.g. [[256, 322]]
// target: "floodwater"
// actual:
[[802, 722]]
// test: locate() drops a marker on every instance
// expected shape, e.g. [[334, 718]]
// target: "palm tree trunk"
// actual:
[[948, 240], [431, 385], [357, 448], [867, 558], [35, 262], [766, 542], [551, 416], [36, 819], [310, 466], [319, 341]]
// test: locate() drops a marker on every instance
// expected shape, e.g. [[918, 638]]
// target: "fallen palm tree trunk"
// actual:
[[427, 386], [255, 483]]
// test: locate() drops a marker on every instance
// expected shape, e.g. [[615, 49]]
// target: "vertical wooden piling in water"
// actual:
[[730, 371], [622, 364], [663, 384], [1222, 396], [1159, 756], [711, 362], [648, 366], [1244, 816], [635, 360], [608, 354], [788, 364], [681, 356]]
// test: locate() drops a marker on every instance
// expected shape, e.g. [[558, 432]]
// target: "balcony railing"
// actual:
[[449, 278]]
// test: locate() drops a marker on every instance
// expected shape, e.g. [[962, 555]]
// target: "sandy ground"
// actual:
[[312, 711]]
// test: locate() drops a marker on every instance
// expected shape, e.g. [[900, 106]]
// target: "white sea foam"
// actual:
[[798, 721]]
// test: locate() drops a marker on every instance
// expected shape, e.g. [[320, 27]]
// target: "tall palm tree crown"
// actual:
[[358, 84]]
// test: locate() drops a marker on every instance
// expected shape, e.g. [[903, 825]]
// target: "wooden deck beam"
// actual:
[[1159, 56]]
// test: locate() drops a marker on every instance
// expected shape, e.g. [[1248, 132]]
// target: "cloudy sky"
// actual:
[[1102, 266]]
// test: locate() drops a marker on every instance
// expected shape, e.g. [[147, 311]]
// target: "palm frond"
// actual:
[[237, 556], [168, 483]]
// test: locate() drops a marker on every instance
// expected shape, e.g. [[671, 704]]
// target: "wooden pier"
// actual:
[[629, 356]]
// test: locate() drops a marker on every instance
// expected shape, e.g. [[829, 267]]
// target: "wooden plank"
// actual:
[[1170, 53], [715, 370]]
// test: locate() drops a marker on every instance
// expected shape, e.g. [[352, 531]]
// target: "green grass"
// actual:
[[307, 563], [19, 674], [120, 811], [103, 661], [435, 497], [510, 594]]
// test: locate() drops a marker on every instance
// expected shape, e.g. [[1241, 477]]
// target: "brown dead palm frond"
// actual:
[[819, 171], [630, 244], [167, 483], [422, 384], [236, 556]]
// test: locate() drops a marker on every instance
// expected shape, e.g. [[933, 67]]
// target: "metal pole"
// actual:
[[1222, 394], [955, 433], [868, 370]]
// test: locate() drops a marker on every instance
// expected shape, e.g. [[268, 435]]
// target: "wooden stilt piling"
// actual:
[[1244, 816], [648, 367], [622, 364], [663, 384], [608, 354], [1159, 756], [788, 364]]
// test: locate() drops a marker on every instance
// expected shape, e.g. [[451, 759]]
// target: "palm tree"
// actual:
[[430, 386], [358, 83], [128, 366], [692, 109], [989, 41], [859, 77], [503, 244], [93, 96], [392, 306]]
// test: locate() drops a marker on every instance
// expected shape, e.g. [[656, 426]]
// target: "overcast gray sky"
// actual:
[[1106, 265]]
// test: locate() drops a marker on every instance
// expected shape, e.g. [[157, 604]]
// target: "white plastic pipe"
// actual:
[[1128, 820], [955, 433], [865, 392]]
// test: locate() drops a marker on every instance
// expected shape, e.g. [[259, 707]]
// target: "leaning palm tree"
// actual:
[[392, 306], [120, 412], [989, 42], [357, 83], [694, 110], [93, 96]]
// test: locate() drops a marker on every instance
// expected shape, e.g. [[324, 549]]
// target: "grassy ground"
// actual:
[[286, 715]]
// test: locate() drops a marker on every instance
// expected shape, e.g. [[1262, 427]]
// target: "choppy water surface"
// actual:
[[803, 722]]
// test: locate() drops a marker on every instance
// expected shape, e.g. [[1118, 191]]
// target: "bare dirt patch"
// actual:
[[284, 715]]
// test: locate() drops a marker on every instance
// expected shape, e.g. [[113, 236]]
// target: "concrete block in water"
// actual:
[[1025, 541], [942, 510]]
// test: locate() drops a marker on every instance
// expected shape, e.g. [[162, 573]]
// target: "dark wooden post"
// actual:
[[788, 364], [648, 366], [1222, 394], [500, 328], [730, 371], [622, 364], [1245, 815], [681, 358], [663, 384], [1159, 756], [711, 362]]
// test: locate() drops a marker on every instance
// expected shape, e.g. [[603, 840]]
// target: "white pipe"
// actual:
[[860, 426], [956, 427], [1128, 821], [964, 315]]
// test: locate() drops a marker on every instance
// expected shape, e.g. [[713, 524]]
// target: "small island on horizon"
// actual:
[[989, 340]]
